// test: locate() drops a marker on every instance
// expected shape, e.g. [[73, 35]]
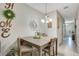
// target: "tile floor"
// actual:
[[68, 48]]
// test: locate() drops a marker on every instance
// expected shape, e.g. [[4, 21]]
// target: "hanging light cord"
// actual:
[[46, 9], [47, 19]]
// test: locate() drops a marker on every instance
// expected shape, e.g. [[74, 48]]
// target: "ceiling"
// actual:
[[66, 9]]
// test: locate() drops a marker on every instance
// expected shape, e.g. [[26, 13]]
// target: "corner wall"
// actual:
[[59, 28]]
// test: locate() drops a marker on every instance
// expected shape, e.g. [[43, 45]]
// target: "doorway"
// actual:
[[69, 31]]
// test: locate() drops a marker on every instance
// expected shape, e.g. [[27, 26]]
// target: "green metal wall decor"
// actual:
[[9, 15]]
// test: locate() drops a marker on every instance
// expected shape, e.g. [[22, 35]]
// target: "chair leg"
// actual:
[[53, 51], [31, 54], [49, 54], [44, 53]]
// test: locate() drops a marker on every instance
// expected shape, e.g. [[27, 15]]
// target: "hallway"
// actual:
[[68, 48]]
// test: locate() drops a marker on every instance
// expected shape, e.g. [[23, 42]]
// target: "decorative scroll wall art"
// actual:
[[9, 16]]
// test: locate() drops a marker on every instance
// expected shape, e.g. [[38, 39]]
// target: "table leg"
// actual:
[[56, 47], [40, 51]]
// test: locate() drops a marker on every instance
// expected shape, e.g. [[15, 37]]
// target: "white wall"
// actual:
[[77, 30], [20, 25], [59, 28]]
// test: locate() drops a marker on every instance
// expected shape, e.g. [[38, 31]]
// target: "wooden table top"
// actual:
[[39, 42]]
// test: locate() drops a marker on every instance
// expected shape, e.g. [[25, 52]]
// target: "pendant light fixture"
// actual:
[[46, 18]]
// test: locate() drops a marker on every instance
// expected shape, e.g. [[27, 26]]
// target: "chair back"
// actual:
[[51, 42], [20, 42], [18, 46]]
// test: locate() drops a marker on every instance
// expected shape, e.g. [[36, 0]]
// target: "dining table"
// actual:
[[40, 44]]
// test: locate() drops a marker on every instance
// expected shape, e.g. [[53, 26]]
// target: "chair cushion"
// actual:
[[25, 48]]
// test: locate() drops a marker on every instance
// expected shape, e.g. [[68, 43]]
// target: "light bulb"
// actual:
[[47, 21], [42, 20], [50, 20]]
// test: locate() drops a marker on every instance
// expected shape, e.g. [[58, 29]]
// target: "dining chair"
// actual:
[[50, 48], [23, 48]]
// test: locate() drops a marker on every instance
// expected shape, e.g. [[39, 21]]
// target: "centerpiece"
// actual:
[[37, 35]]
